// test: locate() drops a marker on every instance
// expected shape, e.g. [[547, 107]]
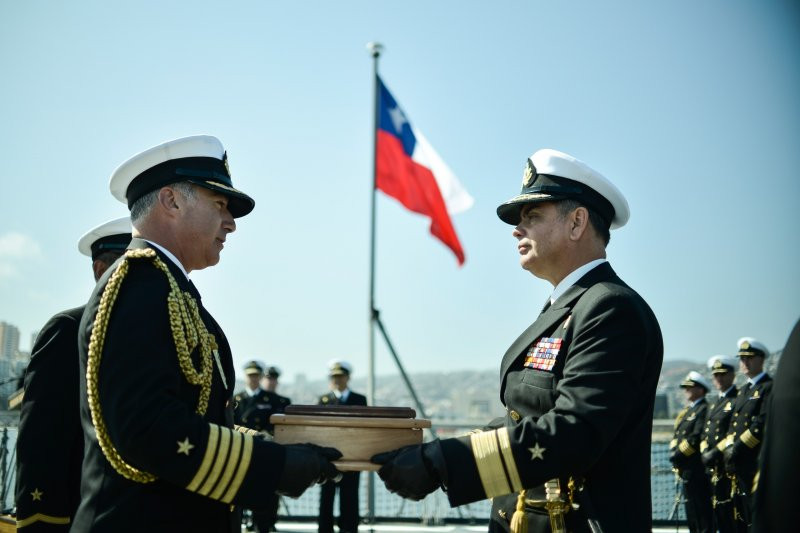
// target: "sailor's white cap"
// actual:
[[551, 175], [748, 347], [696, 378], [112, 235], [719, 364], [337, 367], [199, 159]]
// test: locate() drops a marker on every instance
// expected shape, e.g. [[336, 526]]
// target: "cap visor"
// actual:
[[510, 211], [239, 204]]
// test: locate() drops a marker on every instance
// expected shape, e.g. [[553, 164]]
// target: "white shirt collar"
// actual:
[[723, 394], [700, 399], [252, 392], [341, 396], [170, 255], [755, 380], [571, 278]]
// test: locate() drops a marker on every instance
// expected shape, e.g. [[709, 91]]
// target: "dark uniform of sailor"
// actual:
[[348, 485], [685, 457], [253, 410], [715, 436], [578, 386], [162, 453], [50, 440], [746, 432]]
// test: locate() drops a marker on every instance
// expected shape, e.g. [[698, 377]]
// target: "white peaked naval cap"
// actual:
[[112, 235], [551, 175]]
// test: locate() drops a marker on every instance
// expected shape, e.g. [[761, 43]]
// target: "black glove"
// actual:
[[710, 457], [306, 464], [677, 458], [729, 456], [413, 472]]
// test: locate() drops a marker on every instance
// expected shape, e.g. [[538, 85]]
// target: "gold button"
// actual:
[[514, 415]]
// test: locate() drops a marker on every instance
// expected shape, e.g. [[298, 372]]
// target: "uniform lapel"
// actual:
[[551, 316]]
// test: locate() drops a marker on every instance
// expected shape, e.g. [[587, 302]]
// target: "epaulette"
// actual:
[[188, 331]]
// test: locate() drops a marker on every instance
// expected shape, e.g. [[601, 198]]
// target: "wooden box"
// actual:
[[358, 432]]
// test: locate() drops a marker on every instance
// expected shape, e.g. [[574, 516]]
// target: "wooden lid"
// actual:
[[360, 411]]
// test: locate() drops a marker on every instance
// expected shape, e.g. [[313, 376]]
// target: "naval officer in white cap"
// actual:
[[746, 431], [718, 420], [685, 453], [50, 440], [162, 452], [578, 384]]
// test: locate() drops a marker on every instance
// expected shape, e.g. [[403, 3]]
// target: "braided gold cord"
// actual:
[[188, 331]]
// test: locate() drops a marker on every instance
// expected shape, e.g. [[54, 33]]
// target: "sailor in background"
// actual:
[[720, 412], [578, 385], [685, 454], [253, 407], [746, 431], [340, 394], [161, 450], [50, 440]]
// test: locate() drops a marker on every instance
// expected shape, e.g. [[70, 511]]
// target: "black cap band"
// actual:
[[566, 189], [194, 169], [110, 243]]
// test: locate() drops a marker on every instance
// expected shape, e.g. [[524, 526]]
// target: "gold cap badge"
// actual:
[[529, 175]]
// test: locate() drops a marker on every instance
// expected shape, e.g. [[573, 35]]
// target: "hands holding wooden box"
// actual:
[[351, 438]]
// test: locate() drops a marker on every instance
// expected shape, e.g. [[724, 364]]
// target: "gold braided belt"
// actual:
[[188, 331]]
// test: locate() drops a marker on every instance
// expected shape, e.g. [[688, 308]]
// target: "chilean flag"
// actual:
[[409, 170]]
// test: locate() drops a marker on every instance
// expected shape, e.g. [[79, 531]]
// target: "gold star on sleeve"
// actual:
[[37, 494], [185, 446], [537, 452]]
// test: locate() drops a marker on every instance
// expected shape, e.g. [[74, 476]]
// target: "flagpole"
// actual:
[[375, 50]]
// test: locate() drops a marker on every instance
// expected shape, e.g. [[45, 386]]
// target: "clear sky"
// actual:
[[690, 108]]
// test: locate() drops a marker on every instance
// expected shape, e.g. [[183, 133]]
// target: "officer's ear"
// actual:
[[167, 200], [578, 220]]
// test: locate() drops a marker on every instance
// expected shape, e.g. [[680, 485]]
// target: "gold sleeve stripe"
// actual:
[[686, 448], [673, 443], [490, 466], [219, 462], [230, 467], [211, 448], [244, 464], [245, 430], [39, 517], [724, 443], [749, 439], [508, 459]]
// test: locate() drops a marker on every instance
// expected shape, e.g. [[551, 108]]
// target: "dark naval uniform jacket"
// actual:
[[579, 387], [718, 421], [50, 440], [353, 398], [715, 438], [686, 458], [156, 458], [747, 428], [254, 411], [685, 445]]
